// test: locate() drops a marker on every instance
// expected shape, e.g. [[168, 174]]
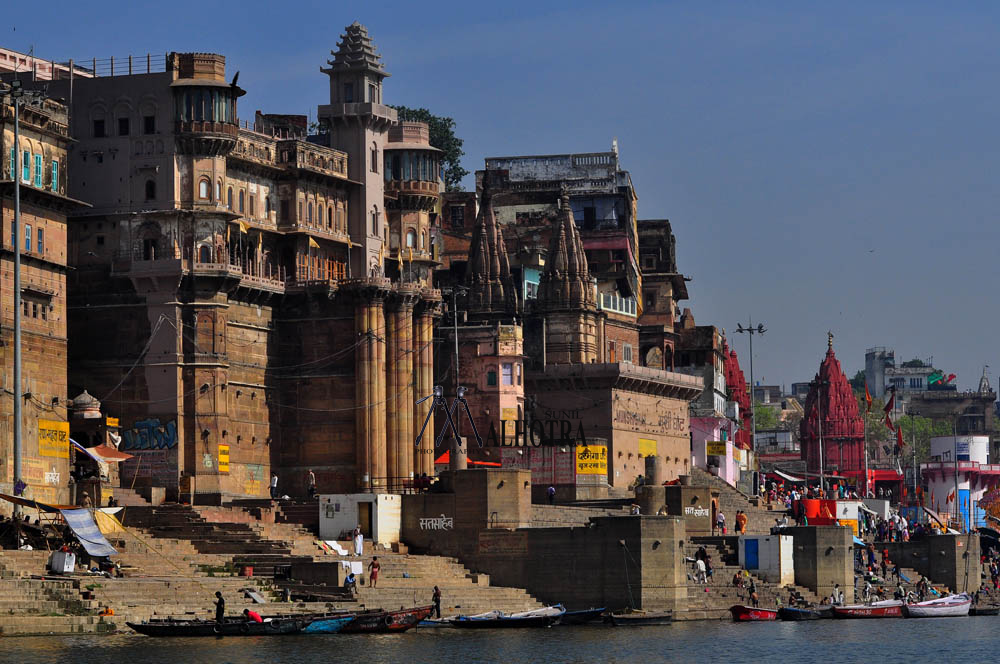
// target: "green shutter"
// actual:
[[38, 170], [55, 175]]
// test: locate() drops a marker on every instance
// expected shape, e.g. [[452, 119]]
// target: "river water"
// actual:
[[944, 640]]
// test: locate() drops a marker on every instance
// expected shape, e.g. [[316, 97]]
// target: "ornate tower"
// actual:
[[832, 401], [356, 122], [567, 295], [491, 288]]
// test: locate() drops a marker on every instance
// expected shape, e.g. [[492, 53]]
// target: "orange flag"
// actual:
[[899, 437], [868, 399]]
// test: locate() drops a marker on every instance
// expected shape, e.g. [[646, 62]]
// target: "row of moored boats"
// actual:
[[394, 622], [941, 607]]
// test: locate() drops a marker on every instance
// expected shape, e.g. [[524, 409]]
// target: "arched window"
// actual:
[[253, 205], [340, 219], [267, 207], [329, 216], [309, 212], [204, 190], [374, 220], [218, 190], [423, 240], [204, 254], [411, 238], [241, 201], [150, 190], [374, 157], [229, 198]]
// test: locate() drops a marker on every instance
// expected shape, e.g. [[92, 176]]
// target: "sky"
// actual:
[[825, 166]]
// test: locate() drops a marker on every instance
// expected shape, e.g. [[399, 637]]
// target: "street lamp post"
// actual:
[[820, 384], [751, 330]]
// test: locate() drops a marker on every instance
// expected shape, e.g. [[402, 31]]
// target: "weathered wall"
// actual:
[[823, 556], [952, 560]]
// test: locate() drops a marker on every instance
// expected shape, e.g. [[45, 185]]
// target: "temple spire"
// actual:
[[491, 289], [566, 282]]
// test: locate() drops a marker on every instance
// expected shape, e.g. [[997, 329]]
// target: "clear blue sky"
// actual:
[[825, 165]]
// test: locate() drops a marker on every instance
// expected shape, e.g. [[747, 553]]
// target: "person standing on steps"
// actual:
[[311, 481], [220, 608], [436, 599], [274, 486], [373, 568], [551, 492], [359, 542], [720, 522]]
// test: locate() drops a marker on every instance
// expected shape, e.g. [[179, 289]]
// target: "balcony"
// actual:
[[613, 302], [202, 137], [165, 271], [310, 157]]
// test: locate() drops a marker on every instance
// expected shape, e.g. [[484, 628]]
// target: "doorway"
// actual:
[[365, 519]]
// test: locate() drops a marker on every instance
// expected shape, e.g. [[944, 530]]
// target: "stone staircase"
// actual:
[[759, 519], [564, 516], [712, 601]]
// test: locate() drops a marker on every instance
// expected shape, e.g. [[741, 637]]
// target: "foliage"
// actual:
[[858, 382], [766, 415], [915, 363], [917, 431], [442, 136]]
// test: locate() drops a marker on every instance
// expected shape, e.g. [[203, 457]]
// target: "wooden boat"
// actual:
[[584, 617], [984, 611], [890, 608], [743, 613], [805, 613], [386, 622], [543, 617], [229, 627], [642, 618], [328, 624], [942, 607]]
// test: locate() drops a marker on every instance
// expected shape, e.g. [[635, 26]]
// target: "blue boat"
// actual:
[[330, 625]]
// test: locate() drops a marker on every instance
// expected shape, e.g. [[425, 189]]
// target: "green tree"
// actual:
[[767, 416], [442, 136], [915, 363], [858, 382]]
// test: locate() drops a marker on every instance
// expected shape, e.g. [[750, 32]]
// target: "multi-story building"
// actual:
[[39, 163], [243, 270]]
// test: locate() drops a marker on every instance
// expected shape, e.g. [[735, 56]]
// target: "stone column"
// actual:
[[362, 391], [401, 389], [378, 394], [423, 370]]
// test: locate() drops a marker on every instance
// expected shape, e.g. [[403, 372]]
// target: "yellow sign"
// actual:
[[647, 447], [111, 421], [508, 414], [592, 460], [223, 458], [53, 439], [715, 448]]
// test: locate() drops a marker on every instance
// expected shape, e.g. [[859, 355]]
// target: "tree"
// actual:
[[915, 363], [858, 382], [442, 136], [767, 416]]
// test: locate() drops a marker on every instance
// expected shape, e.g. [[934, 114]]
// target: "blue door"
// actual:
[[963, 506], [750, 553]]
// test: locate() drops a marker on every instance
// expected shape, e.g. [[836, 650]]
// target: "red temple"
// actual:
[[831, 398], [736, 385]]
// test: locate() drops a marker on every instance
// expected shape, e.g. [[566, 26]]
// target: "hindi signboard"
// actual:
[[715, 448], [53, 439], [592, 460]]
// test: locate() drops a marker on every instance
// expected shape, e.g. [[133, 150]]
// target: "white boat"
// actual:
[[942, 607], [556, 610]]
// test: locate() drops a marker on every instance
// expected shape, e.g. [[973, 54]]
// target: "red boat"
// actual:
[[890, 608], [750, 614], [386, 622]]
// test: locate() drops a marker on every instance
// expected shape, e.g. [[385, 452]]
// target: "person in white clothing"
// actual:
[[701, 575], [274, 486], [359, 541]]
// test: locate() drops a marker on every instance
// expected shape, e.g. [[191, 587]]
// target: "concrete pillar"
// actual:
[[656, 473]]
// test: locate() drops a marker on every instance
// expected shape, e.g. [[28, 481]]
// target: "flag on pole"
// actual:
[[868, 399], [410, 258], [899, 437], [892, 401], [313, 244], [888, 422]]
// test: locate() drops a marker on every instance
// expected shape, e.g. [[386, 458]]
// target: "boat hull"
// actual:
[[275, 627], [813, 613], [386, 622], [641, 619], [503, 623], [331, 625], [891, 610], [586, 617], [750, 614], [947, 607]]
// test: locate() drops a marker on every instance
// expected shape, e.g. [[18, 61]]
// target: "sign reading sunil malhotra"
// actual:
[[53, 439]]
